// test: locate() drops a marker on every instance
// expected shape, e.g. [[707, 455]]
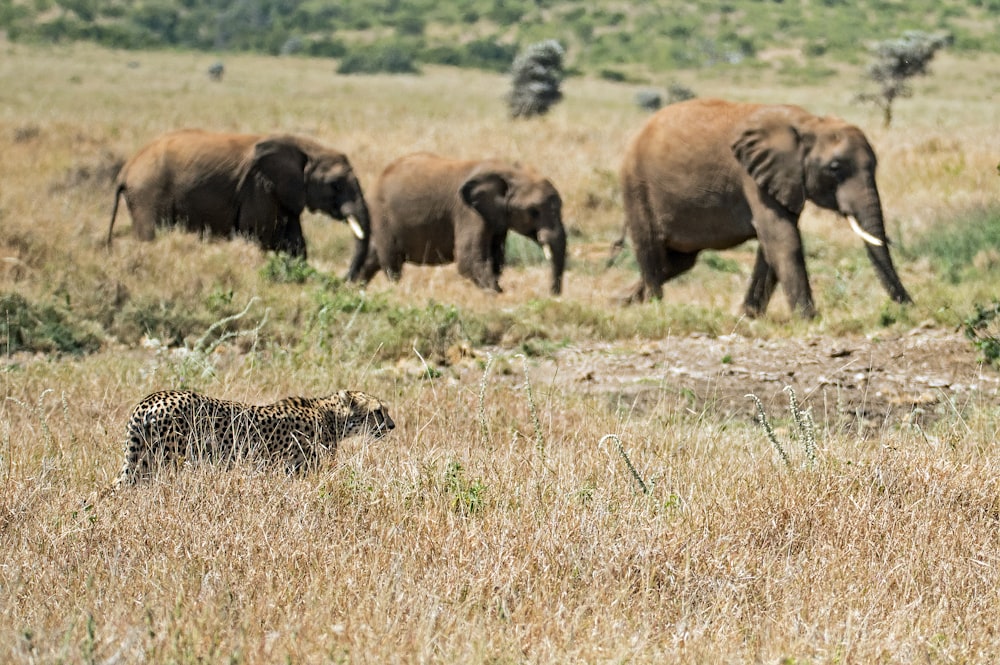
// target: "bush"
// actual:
[[42, 328], [537, 73], [378, 58], [650, 100], [983, 330], [480, 54]]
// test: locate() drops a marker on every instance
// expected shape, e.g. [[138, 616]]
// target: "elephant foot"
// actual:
[[636, 296]]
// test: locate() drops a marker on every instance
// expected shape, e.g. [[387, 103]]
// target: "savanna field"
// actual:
[[569, 480]]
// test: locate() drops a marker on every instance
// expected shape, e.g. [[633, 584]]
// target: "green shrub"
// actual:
[[284, 269], [168, 321], [479, 54], [537, 73], [45, 328], [378, 58], [983, 330]]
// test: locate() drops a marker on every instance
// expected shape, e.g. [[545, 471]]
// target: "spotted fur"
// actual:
[[171, 426]]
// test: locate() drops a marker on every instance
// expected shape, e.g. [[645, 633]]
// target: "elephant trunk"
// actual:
[[871, 228], [356, 214], [553, 243]]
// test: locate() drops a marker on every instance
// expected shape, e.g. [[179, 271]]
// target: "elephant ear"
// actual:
[[771, 150], [280, 164], [485, 192]]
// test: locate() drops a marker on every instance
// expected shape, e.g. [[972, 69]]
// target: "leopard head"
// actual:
[[359, 413]]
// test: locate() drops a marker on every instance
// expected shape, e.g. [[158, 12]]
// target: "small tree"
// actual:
[[537, 73], [896, 61]]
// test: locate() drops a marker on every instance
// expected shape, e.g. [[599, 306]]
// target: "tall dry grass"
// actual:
[[492, 525]]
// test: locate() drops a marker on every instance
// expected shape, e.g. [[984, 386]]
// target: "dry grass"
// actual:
[[491, 525]]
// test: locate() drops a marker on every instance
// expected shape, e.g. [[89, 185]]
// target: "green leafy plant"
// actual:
[[466, 495], [285, 269], [983, 329]]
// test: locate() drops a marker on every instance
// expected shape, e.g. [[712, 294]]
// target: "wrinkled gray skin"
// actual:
[[710, 174], [429, 210], [246, 184]]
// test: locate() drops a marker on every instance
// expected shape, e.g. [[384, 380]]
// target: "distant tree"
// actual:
[[537, 73], [896, 61]]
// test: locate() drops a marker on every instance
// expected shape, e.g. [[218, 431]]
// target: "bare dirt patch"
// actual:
[[859, 382]]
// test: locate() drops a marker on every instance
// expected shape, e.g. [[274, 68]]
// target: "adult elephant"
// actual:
[[430, 210], [711, 174], [247, 184]]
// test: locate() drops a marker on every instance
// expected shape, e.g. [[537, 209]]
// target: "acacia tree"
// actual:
[[896, 61], [537, 72]]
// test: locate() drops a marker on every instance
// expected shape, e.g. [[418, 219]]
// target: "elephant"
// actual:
[[712, 174], [432, 210], [246, 184]]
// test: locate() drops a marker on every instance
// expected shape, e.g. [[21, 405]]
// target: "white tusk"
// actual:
[[867, 237], [547, 251], [352, 221]]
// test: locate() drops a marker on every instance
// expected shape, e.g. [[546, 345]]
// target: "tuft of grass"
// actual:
[[467, 496]]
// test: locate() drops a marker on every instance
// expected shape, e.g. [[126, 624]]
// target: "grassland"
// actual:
[[497, 523]]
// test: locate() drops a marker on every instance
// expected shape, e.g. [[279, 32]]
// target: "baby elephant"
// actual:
[[172, 425], [430, 210]]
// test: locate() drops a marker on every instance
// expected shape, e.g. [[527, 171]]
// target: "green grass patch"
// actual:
[[964, 247], [43, 327]]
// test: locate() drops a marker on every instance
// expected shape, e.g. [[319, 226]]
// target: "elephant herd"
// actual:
[[700, 174]]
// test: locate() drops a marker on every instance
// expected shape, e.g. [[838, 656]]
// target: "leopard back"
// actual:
[[176, 425]]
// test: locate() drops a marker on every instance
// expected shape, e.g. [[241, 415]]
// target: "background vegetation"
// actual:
[[496, 523], [616, 38]]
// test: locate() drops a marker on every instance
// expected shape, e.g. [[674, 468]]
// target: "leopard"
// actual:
[[172, 427]]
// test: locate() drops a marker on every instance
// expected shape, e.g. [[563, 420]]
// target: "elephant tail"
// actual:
[[119, 190], [616, 248]]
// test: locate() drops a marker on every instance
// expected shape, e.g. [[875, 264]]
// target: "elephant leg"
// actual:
[[292, 240], [762, 284], [658, 265], [388, 254], [392, 265], [145, 217], [497, 254], [782, 247], [481, 273], [369, 267], [479, 259]]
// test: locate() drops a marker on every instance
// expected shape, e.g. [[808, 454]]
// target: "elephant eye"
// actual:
[[837, 169]]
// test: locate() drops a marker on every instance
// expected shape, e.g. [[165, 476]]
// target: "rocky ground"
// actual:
[[851, 382]]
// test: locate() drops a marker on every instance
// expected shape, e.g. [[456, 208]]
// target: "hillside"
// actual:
[[609, 37]]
